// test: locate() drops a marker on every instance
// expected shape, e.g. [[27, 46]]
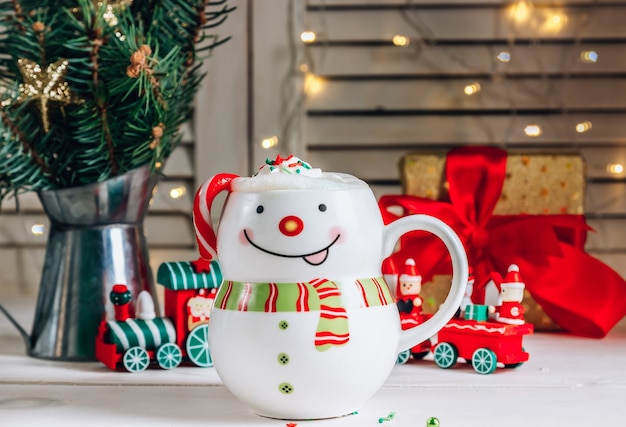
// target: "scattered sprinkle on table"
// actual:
[[432, 422]]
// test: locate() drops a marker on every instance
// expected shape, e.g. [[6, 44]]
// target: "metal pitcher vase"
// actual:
[[96, 240]]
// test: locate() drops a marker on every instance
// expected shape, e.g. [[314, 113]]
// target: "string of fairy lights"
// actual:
[[544, 20]]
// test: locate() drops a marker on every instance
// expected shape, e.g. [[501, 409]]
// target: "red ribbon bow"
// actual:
[[580, 293]]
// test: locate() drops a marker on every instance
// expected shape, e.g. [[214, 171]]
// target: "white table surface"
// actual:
[[568, 382]]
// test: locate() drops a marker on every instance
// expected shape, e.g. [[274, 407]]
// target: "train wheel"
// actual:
[[484, 361], [445, 355], [198, 346], [403, 357], [136, 359], [169, 356]]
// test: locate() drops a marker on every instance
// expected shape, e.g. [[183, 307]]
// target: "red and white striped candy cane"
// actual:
[[205, 234]]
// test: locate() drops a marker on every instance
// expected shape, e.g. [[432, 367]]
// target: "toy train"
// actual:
[[481, 342], [181, 336]]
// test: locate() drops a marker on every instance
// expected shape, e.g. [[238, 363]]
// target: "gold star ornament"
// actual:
[[47, 88]]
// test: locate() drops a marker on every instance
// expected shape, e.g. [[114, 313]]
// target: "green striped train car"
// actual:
[[182, 275], [150, 334]]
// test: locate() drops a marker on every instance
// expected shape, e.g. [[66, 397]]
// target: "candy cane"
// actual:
[[205, 234]]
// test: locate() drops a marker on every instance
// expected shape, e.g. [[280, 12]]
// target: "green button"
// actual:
[[285, 388], [283, 324], [283, 358]]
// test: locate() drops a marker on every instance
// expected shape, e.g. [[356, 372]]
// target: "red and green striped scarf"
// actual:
[[318, 295]]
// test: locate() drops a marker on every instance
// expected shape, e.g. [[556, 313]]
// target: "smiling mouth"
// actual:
[[313, 258]]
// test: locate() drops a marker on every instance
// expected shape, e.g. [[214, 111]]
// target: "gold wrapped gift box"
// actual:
[[535, 183]]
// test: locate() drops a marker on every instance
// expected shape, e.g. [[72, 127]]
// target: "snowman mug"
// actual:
[[304, 325]]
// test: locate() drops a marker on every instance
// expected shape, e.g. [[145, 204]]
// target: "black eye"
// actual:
[[322, 207], [259, 209]]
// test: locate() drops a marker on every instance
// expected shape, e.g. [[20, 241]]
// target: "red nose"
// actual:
[[291, 225]]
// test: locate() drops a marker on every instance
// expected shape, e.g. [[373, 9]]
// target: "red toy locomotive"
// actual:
[[134, 343]]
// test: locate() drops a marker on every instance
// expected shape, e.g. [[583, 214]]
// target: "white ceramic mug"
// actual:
[[304, 326]]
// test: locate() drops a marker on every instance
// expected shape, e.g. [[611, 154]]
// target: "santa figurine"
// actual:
[[408, 289], [199, 308], [510, 308]]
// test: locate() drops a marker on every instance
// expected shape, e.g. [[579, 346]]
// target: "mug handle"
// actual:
[[205, 234], [392, 233]]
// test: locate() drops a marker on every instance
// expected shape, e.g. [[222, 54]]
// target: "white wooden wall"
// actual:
[[368, 102], [376, 101]]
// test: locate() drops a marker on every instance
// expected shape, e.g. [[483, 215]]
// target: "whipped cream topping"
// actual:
[[292, 173], [290, 165]]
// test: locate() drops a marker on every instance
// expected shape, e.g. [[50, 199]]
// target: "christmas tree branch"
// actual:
[[94, 24], [108, 139], [106, 86], [214, 44], [96, 42], [19, 15], [26, 147], [217, 18], [139, 65], [39, 28]]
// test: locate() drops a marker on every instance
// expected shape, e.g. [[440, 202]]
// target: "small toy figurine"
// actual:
[[199, 308], [409, 285], [409, 288], [510, 309]]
